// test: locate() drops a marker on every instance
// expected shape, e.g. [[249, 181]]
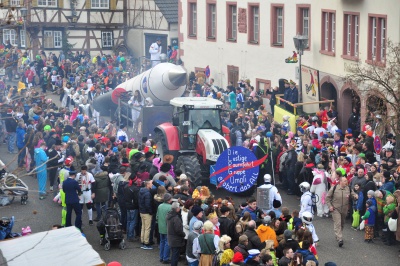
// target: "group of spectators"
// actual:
[[66, 141]]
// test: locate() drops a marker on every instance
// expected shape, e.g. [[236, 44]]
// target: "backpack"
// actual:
[[70, 151], [77, 150], [216, 259], [232, 135]]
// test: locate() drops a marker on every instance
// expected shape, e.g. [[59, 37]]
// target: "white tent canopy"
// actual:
[[64, 246]]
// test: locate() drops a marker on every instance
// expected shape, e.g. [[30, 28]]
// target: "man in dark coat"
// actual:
[[146, 213], [226, 225], [131, 197], [175, 235], [55, 161], [72, 190], [11, 128], [254, 239]]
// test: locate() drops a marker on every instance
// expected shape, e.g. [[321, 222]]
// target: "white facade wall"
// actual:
[[254, 61], [336, 65], [266, 62]]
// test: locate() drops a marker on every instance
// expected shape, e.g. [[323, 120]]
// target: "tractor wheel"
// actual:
[[161, 143], [190, 166]]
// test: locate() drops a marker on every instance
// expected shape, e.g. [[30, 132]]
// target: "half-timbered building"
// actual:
[[97, 26]]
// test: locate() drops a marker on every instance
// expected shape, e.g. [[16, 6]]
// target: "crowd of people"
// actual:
[[335, 172]]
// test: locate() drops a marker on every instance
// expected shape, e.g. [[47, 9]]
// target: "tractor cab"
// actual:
[[196, 137], [193, 114]]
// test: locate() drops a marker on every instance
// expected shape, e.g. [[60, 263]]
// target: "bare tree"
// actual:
[[382, 82]]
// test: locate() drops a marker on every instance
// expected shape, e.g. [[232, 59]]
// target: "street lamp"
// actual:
[[24, 13], [300, 42]]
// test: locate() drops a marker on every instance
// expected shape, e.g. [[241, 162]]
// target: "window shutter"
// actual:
[[34, 2], [113, 4], [87, 4], [6, 3], [60, 3]]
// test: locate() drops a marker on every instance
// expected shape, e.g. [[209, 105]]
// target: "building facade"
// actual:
[[251, 39], [97, 26]]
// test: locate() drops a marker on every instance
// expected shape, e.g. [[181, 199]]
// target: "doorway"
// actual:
[[350, 100], [328, 92], [150, 38]]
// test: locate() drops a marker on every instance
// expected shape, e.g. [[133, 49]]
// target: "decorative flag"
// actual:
[[208, 72]]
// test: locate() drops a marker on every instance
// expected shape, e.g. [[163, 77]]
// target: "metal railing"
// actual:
[[295, 105]]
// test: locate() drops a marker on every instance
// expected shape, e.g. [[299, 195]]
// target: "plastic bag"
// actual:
[[356, 219], [362, 225], [392, 224], [4, 201]]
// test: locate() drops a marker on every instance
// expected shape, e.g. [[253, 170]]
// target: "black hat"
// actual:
[[196, 210], [386, 174], [121, 126], [72, 173], [392, 160], [165, 167], [58, 141], [148, 154], [224, 209], [276, 204], [389, 136], [389, 149]]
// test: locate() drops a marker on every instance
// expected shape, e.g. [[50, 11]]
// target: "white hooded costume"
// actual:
[[319, 187]]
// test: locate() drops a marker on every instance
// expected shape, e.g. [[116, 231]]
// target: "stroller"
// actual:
[[110, 229], [10, 187]]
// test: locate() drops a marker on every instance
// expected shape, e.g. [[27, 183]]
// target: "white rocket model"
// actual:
[[161, 83]]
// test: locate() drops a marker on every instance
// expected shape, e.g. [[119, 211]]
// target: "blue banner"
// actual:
[[236, 169]]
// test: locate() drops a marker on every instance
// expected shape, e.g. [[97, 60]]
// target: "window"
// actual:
[[47, 3], [100, 4], [303, 24], [10, 35], [22, 37], [107, 39], [377, 38], [211, 21], [328, 36], [277, 25], [232, 22], [254, 25], [52, 39], [351, 34], [192, 19], [15, 2]]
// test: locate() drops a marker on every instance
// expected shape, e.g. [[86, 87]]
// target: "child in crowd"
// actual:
[[369, 218]]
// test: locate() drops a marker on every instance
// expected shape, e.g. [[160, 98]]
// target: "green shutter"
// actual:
[[60, 3], [34, 3], [87, 4], [6, 3]]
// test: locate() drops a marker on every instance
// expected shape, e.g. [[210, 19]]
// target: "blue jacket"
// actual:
[[307, 255], [370, 215], [20, 137], [360, 201], [253, 213], [71, 189], [145, 201], [389, 186]]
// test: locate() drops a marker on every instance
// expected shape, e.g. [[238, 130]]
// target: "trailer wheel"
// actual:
[[190, 166]]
